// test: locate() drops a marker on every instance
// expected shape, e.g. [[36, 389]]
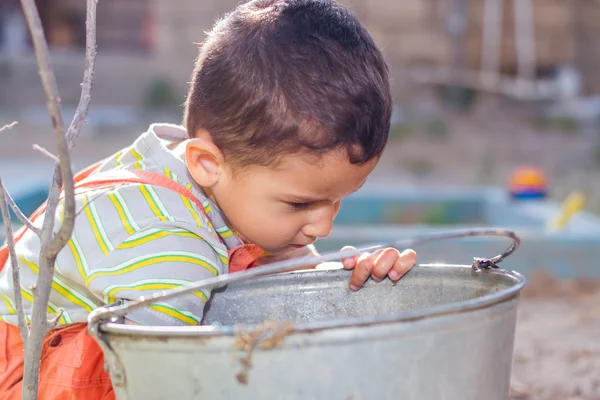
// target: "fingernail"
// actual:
[[376, 279], [394, 275], [354, 287]]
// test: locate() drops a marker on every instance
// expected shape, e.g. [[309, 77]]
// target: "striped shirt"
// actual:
[[130, 241]]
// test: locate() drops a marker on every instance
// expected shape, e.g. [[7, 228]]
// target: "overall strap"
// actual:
[[240, 257], [18, 234]]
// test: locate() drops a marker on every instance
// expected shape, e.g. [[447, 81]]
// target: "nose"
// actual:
[[322, 221]]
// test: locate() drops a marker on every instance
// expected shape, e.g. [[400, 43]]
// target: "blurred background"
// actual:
[[496, 122], [527, 69]]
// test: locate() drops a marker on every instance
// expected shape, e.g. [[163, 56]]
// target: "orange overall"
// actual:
[[72, 364]]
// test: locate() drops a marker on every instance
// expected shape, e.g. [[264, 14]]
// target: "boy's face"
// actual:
[[292, 205]]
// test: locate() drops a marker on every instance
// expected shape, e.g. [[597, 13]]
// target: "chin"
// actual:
[[285, 249]]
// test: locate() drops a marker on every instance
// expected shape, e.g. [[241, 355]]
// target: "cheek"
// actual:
[[270, 223], [257, 216], [241, 208], [251, 211]]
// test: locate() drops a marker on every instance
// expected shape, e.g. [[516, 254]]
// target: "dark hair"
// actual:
[[278, 76]]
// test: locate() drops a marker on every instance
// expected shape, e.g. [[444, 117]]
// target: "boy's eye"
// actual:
[[299, 206]]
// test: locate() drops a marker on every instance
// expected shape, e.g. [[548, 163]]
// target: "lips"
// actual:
[[298, 246]]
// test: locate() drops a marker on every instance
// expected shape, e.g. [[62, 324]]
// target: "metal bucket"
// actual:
[[441, 332]]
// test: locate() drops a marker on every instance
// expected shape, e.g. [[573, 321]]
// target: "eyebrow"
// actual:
[[309, 199]]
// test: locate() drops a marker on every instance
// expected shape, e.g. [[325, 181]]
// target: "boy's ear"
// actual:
[[204, 161]]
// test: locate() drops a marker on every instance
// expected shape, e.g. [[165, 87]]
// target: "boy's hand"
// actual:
[[384, 262]]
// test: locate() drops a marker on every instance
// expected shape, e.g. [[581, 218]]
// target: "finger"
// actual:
[[406, 260], [349, 262], [362, 271], [384, 263]]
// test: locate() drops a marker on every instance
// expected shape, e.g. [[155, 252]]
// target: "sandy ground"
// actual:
[[557, 344]]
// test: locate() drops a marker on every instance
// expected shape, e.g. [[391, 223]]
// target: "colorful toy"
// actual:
[[528, 182], [574, 203]]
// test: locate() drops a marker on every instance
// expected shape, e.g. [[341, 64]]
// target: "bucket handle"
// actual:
[[114, 312]]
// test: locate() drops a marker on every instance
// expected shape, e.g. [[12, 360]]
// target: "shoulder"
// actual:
[[122, 212]]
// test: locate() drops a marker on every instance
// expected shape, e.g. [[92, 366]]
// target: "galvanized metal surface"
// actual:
[[441, 332]]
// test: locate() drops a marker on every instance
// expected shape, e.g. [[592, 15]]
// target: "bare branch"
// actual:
[[51, 244], [63, 235], [46, 72], [81, 112], [10, 241], [46, 153], [24, 220], [8, 126], [53, 102], [54, 321]]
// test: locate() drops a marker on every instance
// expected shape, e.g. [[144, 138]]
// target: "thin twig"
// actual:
[[53, 102], [24, 220], [81, 111], [46, 153], [8, 126], [51, 244], [54, 321], [64, 234], [10, 241]]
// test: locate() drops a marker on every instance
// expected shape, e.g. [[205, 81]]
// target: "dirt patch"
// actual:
[[544, 285], [557, 343]]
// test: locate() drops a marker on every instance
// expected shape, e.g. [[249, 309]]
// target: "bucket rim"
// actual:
[[490, 299]]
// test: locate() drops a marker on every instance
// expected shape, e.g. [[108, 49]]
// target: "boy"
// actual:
[[288, 112]]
